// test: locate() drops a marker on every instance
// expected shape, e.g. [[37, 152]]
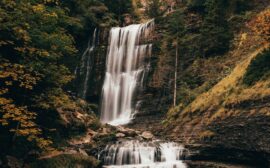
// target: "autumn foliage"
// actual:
[[17, 118], [34, 41], [261, 25], [37, 53]]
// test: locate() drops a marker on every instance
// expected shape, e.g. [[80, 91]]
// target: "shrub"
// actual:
[[258, 68], [215, 33]]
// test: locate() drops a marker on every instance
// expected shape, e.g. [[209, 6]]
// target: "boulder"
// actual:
[[81, 151], [91, 132], [147, 135], [126, 131], [120, 135]]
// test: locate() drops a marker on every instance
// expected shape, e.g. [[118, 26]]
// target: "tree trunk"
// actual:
[[175, 74]]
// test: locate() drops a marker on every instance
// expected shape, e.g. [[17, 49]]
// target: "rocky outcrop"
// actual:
[[77, 116]]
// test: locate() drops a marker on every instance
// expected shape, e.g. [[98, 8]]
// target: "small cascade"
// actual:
[[126, 67], [87, 60], [135, 154]]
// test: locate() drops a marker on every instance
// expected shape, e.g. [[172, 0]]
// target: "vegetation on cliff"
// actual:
[[226, 113], [39, 41]]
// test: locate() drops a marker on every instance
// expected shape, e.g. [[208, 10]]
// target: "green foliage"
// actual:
[[259, 68], [153, 8], [196, 5], [37, 38], [215, 33], [93, 13], [176, 24], [119, 7], [34, 41], [239, 6], [233, 6], [15, 116]]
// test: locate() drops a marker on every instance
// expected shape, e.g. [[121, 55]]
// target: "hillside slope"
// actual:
[[230, 121]]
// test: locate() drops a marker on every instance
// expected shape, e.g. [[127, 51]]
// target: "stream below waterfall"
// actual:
[[135, 154]]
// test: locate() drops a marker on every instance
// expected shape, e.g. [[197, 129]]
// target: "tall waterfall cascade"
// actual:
[[135, 154], [127, 64], [86, 64], [126, 67]]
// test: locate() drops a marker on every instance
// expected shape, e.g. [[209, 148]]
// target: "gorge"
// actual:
[[134, 84]]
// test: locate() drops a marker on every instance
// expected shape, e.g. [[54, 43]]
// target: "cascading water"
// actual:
[[83, 71], [135, 154], [126, 67], [125, 71]]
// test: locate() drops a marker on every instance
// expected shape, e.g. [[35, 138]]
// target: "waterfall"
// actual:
[[125, 70], [135, 154], [126, 66], [86, 64]]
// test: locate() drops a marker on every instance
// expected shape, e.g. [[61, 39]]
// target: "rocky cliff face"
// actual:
[[97, 69]]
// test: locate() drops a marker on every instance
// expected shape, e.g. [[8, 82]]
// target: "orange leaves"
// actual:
[[39, 8], [261, 25], [3, 91], [25, 122], [52, 14], [16, 73], [16, 76], [21, 34]]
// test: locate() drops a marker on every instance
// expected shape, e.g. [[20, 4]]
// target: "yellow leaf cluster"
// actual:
[[26, 126], [38, 8], [261, 25], [16, 73], [21, 34], [52, 14]]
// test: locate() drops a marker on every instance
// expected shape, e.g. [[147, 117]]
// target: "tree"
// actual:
[[153, 8], [15, 115], [176, 27], [34, 42], [215, 33], [196, 5]]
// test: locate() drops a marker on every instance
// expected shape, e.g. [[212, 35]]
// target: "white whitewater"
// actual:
[[135, 154], [125, 70], [86, 64]]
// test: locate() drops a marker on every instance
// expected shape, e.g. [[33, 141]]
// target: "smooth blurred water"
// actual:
[[135, 154], [125, 70], [86, 64]]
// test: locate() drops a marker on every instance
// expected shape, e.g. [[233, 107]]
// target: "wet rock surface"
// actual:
[[147, 135], [205, 164]]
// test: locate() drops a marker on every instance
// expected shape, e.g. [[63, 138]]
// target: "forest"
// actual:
[[95, 83]]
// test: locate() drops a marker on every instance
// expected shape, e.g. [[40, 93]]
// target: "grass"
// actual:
[[217, 94], [259, 68], [206, 134], [229, 90]]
